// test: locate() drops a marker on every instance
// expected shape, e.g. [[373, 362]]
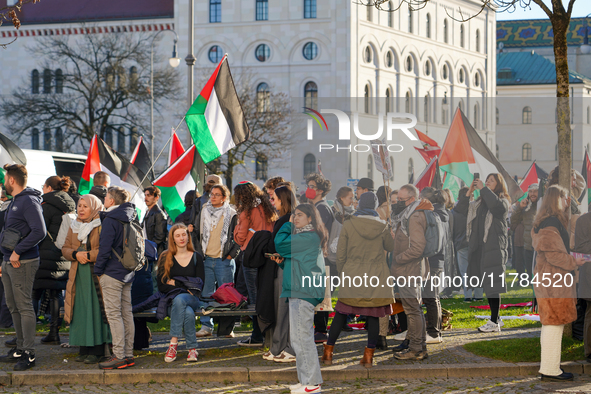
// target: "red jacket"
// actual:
[[256, 221]]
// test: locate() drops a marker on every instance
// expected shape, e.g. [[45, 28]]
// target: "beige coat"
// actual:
[[70, 246]]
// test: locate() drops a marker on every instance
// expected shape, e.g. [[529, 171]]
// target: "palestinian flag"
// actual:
[[176, 149], [430, 147], [124, 174], [533, 175], [452, 183], [177, 180], [141, 159], [586, 172], [215, 120], [10, 153], [464, 153], [429, 176]]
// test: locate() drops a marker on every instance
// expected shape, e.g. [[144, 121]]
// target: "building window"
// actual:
[[310, 51], [46, 81], [369, 11], [497, 153], [35, 139], [133, 74], [46, 139], [370, 167], [461, 76], [59, 81], [59, 140], [526, 115], [367, 54], [444, 72], [476, 79], [392, 168], [121, 140], [109, 136], [215, 11], [526, 152], [477, 117], [215, 54], [35, 81], [133, 137], [388, 100], [443, 112], [445, 32], [427, 109], [427, 68], [366, 99], [389, 59], [462, 36], [309, 164], [309, 9], [428, 25], [263, 97], [408, 102], [311, 95], [497, 116], [262, 52], [411, 170], [477, 40], [409, 64], [390, 14], [410, 27], [261, 167], [262, 10]]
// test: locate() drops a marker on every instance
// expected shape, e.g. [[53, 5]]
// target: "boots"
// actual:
[[367, 360], [382, 343], [53, 338], [327, 355]]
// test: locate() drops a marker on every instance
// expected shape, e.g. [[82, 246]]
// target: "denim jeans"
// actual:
[[218, 271], [250, 277], [433, 306], [462, 256], [182, 316], [18, 289], [301, 328]]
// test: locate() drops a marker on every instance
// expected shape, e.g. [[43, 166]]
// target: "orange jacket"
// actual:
[[255, 221]]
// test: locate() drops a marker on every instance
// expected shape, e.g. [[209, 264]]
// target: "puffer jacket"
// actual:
[[53, 267]]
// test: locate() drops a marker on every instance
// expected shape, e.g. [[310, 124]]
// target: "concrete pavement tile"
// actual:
[[341, 372], [176, 375], [572, 367], [407, 371], [263, 374], [467, 370], [56, 377], [528, 368]]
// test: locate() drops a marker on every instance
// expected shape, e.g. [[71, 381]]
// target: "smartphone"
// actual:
[[269, 255], [476, 175]]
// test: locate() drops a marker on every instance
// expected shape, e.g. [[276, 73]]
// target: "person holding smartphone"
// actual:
[[524, 212]]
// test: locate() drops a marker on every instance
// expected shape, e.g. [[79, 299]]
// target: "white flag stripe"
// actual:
[[138, 199], [218, 125]]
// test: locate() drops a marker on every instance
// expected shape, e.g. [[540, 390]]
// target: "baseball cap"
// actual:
[[215, 179], [365, 183]]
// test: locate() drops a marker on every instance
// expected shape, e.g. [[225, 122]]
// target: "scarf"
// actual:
[[211, 217], [365, 212], [343, 210], [553, 221], [307, 227], [402, 218], [83, 228], [472, 212]]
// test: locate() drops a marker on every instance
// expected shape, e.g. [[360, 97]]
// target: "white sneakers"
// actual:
[[401, 336], [284, 357], [204, 332], [299, 388], [431, 340], [268, 356], [490, 327]]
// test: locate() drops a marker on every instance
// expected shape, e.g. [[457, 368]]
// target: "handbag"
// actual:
[[10, 238]]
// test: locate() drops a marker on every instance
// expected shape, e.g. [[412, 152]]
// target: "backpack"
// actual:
[[434, 234], [227, 294], [132, 258]]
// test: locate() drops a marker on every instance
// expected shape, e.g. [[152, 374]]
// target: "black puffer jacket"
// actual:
[[53, 267]]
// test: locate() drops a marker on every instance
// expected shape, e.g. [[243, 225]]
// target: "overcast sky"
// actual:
[[581, 8]]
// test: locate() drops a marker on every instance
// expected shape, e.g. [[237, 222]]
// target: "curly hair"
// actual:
[[322, 183], [247, 196]]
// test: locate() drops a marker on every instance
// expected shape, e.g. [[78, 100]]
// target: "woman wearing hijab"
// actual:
[[84, 308], [363, 242]]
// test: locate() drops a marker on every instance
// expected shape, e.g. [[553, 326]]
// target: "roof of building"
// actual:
[[529, 68], [68, 11], [536, 33]]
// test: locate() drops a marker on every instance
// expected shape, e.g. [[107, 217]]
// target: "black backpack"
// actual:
[[132, 258]]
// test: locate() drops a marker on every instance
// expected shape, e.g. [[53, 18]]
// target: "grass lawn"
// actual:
[[523, 349]]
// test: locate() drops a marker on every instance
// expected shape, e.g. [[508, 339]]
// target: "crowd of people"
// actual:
[[276, 247]]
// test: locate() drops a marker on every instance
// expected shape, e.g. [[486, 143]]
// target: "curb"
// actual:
[[285, 374]]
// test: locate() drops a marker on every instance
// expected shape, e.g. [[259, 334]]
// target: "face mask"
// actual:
[[310, 194], [398, 207]]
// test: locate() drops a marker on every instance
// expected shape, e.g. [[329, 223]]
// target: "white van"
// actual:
[[42, 164]]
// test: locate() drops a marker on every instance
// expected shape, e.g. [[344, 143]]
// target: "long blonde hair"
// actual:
[[172, 250], [552, 206]]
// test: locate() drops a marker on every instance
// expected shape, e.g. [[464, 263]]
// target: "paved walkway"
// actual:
[[223, 352]]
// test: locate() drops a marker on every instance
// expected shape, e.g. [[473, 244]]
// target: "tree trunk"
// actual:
[[560, 27], [229, 173]]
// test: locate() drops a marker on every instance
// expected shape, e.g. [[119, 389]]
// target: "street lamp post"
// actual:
[[174, 61]]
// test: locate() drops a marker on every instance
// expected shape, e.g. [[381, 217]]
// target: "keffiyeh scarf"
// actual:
[[211, 218], [307, 227], [402, 218]]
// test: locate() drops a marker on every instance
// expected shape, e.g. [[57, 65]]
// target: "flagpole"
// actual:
[[159, 154]]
